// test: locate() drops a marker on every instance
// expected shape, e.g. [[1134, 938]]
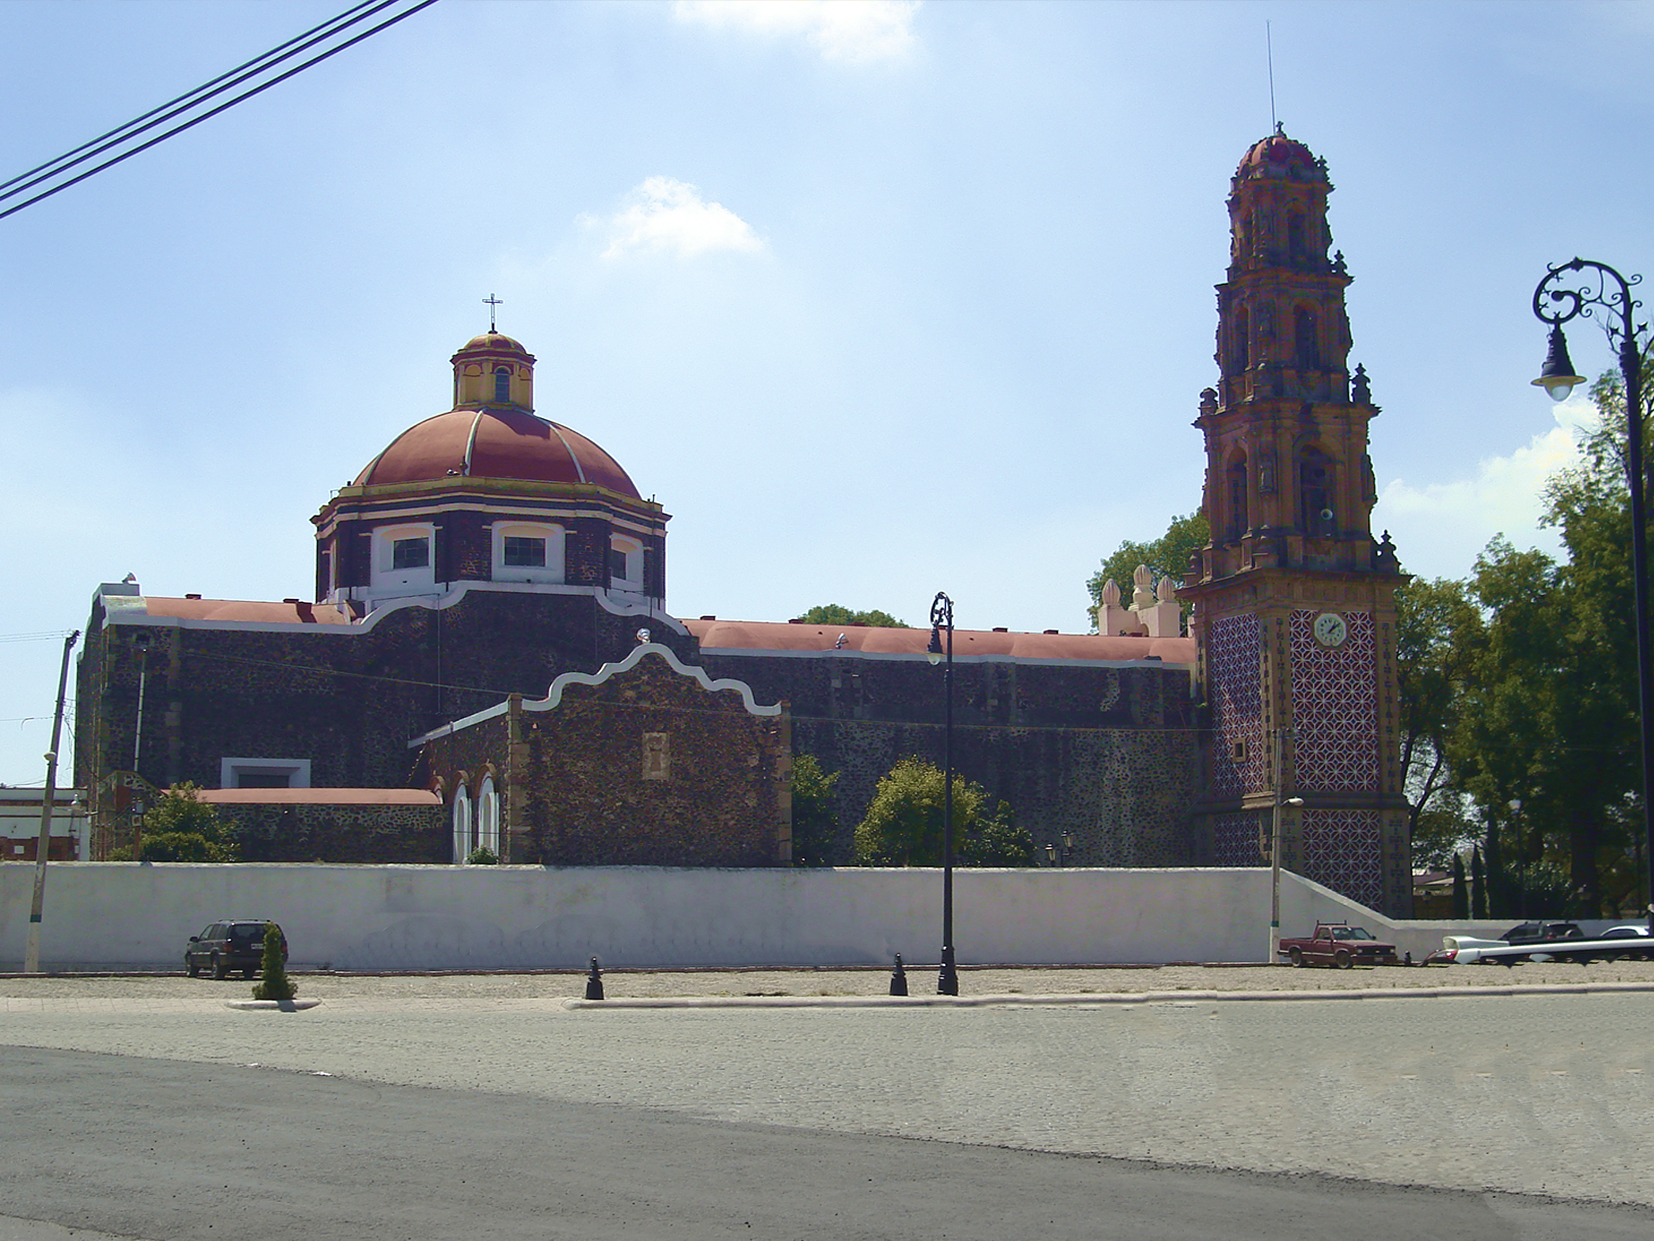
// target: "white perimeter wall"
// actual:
[[115, 914]]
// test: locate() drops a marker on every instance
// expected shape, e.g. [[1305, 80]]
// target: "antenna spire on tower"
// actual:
[[1269, 51]]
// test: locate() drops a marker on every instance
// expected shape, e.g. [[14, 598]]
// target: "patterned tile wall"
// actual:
[[1335, 706], [1234, 685], [1235, 840], [1341, 851]]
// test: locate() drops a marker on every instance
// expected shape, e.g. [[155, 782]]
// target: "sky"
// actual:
[[877, 298]]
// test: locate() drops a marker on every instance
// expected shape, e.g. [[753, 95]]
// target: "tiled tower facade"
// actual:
[[1294, 599]]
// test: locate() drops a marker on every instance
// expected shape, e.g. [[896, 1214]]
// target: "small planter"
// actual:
[[272, 1006]]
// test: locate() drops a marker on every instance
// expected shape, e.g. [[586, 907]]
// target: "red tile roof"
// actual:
[[319, 797], [299, 613], [771, 636]]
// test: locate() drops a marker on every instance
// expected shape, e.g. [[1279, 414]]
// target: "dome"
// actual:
[[1277, 149], [500, 442], [492, 342]]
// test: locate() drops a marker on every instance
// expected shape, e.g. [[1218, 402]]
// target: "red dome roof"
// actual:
[[495, 443], [1277, 149]]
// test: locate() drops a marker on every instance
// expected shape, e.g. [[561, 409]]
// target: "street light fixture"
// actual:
[[1598, 285], [941, 617], [1059, 853]]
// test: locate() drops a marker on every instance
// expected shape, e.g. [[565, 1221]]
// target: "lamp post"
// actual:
[[941, 617], [1281, 734], [1572, 289], [1058, 853]]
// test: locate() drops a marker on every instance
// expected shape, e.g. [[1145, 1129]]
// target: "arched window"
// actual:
[[502, 384], [1240, 344], [462, 824], [1295, 236], [1315, 493], [1236, 509], [488, 817], [1306, 342]]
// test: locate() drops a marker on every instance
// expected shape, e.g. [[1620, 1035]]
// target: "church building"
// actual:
[[488, 660]]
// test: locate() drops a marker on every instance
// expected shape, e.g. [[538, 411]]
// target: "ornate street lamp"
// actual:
[[941, 617], [1598, 285]]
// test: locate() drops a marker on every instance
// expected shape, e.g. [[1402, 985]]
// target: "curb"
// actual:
[[271, 1006], [1115, 998]]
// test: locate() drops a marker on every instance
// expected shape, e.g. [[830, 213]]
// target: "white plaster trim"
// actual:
[[230, 770], [554, 695]]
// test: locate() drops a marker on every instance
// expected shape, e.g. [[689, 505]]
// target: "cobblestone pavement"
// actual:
[[1548, 1093]]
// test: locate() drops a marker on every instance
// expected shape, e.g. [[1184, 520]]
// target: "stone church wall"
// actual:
[[646, 768], [346, 701], [1106, 752]]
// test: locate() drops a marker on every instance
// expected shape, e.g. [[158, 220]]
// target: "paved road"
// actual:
[[497, 1117]]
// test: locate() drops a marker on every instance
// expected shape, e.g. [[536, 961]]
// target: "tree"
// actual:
[[815, 813], [903, 826], [1461, 892], [182, 828], [1167, 556], [837, 614], [1438, 633], [1478, 885]]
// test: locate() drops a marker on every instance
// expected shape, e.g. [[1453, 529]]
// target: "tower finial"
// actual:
[[491, 302]]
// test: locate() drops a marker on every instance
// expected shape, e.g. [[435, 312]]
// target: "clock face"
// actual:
[[1330, 629]]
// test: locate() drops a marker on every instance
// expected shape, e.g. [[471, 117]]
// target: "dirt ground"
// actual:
[[1026, 980]]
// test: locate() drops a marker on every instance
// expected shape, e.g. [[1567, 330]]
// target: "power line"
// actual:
[[53, 169]]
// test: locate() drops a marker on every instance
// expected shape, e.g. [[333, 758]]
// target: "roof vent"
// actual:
[[709, 618], [289, 600], [1002, 629], [192, 596], [1052, 631]]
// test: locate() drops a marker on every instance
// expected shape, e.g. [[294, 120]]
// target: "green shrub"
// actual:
[[481, 856], [275, 985]]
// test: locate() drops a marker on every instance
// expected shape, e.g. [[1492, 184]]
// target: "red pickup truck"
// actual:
[[1339, 944]]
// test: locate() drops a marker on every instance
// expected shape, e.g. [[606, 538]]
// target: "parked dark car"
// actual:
[[1541, 932], [226, 946]]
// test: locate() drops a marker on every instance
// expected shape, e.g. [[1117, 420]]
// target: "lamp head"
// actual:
[[1557, 376], [934, 651]]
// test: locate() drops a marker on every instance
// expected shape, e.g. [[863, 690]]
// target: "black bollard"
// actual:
[[1409, 959], [594, 982], [898, 978]]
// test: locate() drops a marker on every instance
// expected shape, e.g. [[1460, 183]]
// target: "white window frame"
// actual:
[[488, 817], [632, 583], [230, 770], [461, 819], [554, 535], [403, 581]]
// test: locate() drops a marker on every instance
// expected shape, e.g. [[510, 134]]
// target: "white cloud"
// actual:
[[853, 31], [667, 215], [1440, 527]]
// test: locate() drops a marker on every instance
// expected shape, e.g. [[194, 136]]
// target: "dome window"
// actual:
[[524, 553], [626, 565], [402, 560], [528, 552], [502, 384], [410, 553]]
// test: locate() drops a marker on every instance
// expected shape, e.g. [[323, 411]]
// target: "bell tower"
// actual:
[[1294, 599]]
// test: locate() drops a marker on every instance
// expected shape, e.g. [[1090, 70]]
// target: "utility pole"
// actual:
[[1281, 734], [31, 955]]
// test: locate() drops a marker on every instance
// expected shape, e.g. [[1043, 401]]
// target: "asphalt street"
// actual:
[[1470, 1117]]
